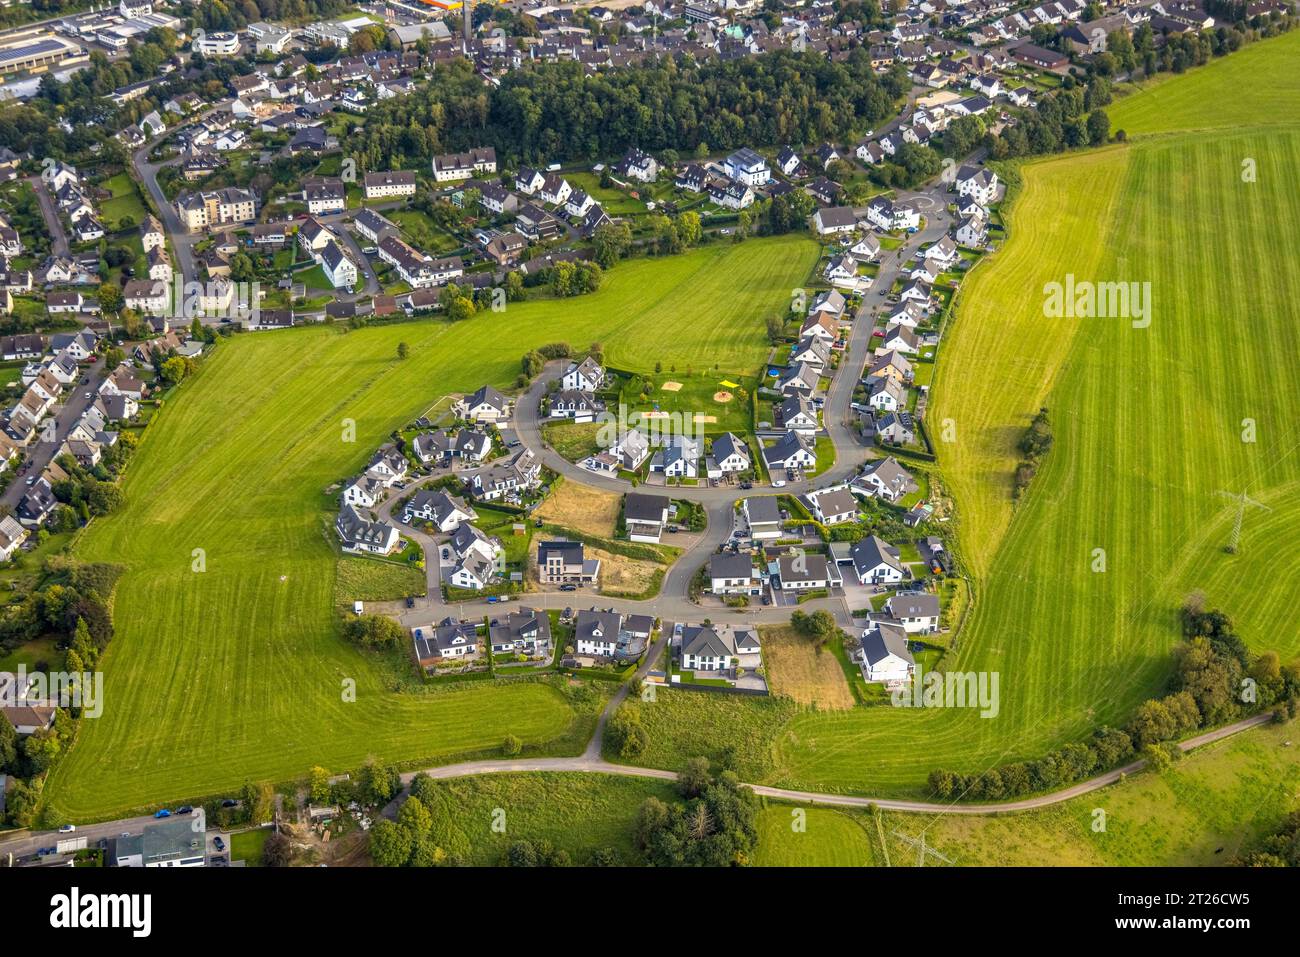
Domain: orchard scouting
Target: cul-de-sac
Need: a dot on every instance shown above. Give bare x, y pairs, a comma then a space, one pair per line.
720, 433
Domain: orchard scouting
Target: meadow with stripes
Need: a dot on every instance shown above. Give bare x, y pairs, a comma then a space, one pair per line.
1157, 429
237, 671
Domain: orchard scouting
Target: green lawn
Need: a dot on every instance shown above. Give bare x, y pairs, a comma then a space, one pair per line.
578, 813
693, 404
615, 201
1148, 429
247, 846
238, 672
374, 579
126, 202
813, 837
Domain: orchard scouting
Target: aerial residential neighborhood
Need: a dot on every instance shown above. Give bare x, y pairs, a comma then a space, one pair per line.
793, 434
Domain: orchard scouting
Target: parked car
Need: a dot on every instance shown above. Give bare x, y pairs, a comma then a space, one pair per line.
746, 485
67, 829
218, 843
410, 601
163, 813
185, 809
778, 483
230, 802
569, 587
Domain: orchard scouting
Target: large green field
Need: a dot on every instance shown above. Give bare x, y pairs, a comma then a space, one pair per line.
1214, 804
1149, 427
237, 671
1256, 86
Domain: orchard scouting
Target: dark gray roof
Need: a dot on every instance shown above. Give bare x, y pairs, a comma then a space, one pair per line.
730, 566
762, 509
871, 552
882, 640
645, 508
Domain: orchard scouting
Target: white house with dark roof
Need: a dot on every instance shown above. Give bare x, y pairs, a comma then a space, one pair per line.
876, 562
797, 414
719, 648
918, 612
445, 511
883, 654
804, 572
747, 167
585, 376
832, 506
885, 395
645, 516
728, 454
523, 631
565, 563
834, 220
979, 183
733, 574
340, 270
448, 641
678, 458
791, 451
359, 534
763, 516
485, 405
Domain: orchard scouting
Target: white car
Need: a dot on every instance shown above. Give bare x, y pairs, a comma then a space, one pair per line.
67, 829
778, 483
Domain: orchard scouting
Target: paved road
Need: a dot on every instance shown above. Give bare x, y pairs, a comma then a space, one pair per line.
50, 213
590, 761
39, 453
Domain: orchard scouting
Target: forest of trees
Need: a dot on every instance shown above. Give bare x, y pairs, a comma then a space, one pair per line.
554, 112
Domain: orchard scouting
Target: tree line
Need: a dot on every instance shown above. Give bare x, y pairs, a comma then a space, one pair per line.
1216, 680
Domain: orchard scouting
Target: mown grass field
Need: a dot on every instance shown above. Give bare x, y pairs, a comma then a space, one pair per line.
1256, 86
1149, 426
813, 837
238, 672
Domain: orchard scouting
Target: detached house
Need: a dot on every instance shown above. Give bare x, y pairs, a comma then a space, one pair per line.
645, 516
883, 654
485, 405
733, 575
564, 563
585, 376
834, 220
876, 562
979, 183
362, 535
449, 641
791, 451
445, 512
832, 506
719, 648
729, 454
917, 612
